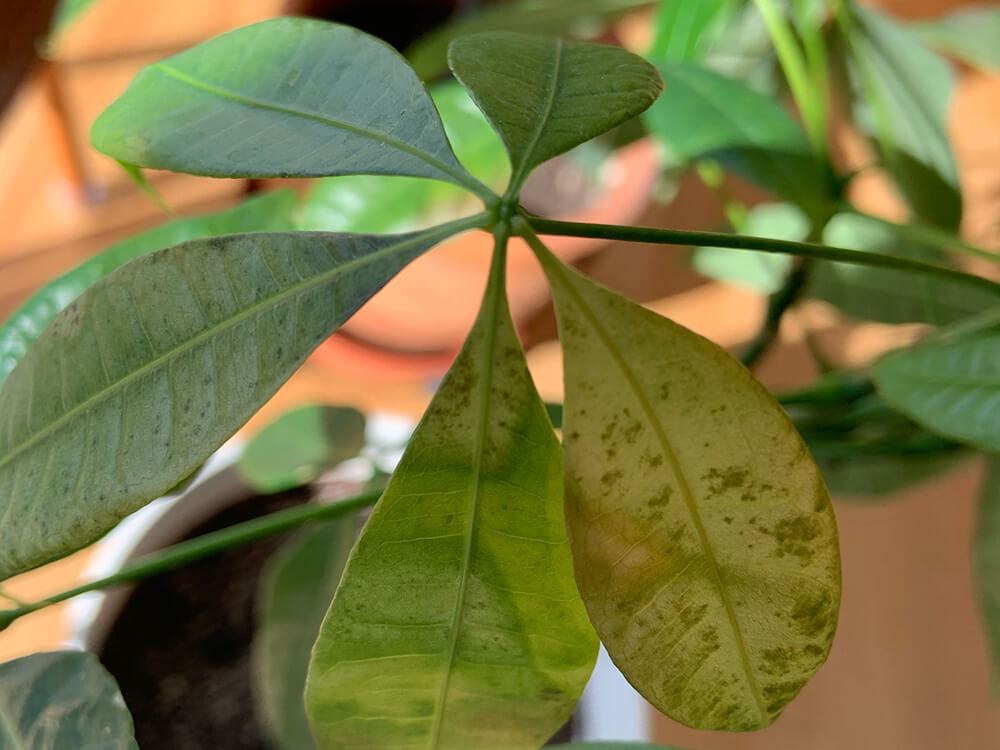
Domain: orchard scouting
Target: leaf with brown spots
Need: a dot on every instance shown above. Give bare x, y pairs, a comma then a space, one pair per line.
703, 538
458, 624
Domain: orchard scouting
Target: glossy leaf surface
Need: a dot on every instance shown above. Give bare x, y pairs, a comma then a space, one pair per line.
295, 591
545, 96
952, 389
288, 97
705, 115
986, 558
429, 55
703, 538
59, 700
375, 204
902, 90
268, 213
136, 383
299, 446
971, 34
762, 272
458, 623
884, 295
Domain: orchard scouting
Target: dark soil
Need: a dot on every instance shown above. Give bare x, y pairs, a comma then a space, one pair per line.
180, 649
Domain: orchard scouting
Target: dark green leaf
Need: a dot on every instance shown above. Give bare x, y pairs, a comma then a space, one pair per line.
295, 591
458, 624
762, 272
136, 383
545, 96
299, 446
429, 55
986, 556
972, 34
375, 204
705, 115
704, 541
951, 388
885, 295
268, 213
61, 700
684, 31
901, 94
288, 97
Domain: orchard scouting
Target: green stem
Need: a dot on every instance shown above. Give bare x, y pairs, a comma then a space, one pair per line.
199, 547
777, 305
927, 235
762, 244
794, 65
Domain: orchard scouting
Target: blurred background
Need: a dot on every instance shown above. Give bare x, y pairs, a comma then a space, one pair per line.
909, 667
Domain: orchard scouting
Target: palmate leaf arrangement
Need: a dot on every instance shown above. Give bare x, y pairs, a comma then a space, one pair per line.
681, 521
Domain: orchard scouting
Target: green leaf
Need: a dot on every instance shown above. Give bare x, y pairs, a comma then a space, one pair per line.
267, 213
705, 115
762, 272
458, 624
901, 94
429, 55
544, 96
67, 12
704, 541
684, 31
136, 383
59, 700
951, 388
299, 446
376, 204
885, 295
296, 587
969, 33
986, 557
288, 97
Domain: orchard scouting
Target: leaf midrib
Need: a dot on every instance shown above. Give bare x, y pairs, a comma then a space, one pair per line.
53, 427
686, 491
526, 163
461, 178
494, 301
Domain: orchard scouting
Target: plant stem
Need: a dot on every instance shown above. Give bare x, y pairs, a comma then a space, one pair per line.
928, 235
199, 547
777, 304
794, 65
762, 244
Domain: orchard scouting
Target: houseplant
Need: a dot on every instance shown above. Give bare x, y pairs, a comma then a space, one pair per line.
663, 484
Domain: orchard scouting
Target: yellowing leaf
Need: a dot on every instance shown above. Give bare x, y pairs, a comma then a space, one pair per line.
703, 538
457, 624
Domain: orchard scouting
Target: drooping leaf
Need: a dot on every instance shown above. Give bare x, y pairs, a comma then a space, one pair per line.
295, 591
704, 541
950, 387
986, 556
267, 213
762, 272
705, 115
59, 700
544, 96
288, 97
885, 295
901, 95
376, 204
299, 446
584, 18
969, 33
683, 32
134, 385
458, 624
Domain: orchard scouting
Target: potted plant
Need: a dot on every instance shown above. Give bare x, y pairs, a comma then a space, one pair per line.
682, 521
